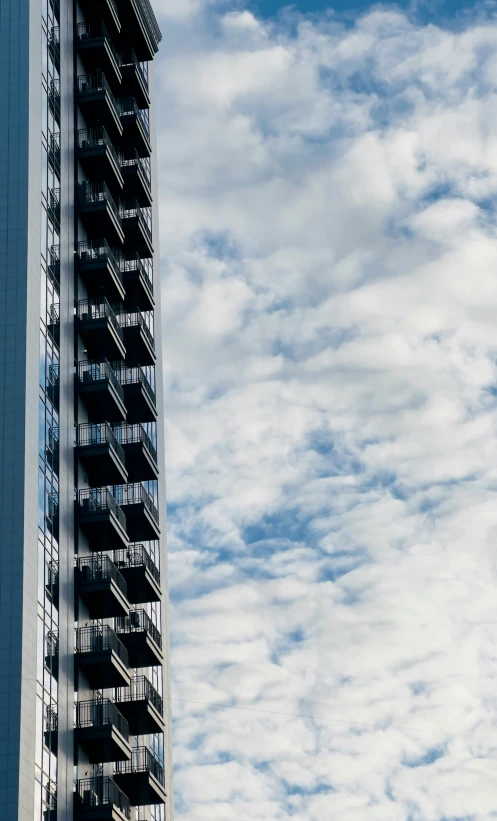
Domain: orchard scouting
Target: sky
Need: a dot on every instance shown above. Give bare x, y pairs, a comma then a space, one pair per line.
328, 179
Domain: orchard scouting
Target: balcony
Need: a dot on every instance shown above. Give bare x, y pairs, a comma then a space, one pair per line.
142, 705
137, 277
99, 213
102, 657
54, 46
142, 778
101, 519
102, 731
100, 330
53, 385
100, 270
105, 10
140, 454
101, 391
141, 638
53, 266
138, 339
52, 655
102, 587
141, 574
53, 206
142, 517
97, 51
135, 78
136, 223
100, 799
54, 99
54, 153
99, 158
100, 453
137, 178
136, 127
140, 27
139, 396
52, 583
52, 447
50, 733
96, 101
53, 322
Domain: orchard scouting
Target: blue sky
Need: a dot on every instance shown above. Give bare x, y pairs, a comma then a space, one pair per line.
329, 258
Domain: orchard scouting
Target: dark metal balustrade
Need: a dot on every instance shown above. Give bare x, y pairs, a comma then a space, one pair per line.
139, 395
141, 638
102, 731
52, 654
102, 657
137, 277
97, 51
54, 99
136, 173
100, 799
101, 391
100, 453
142, 516
98, 104
99, 158
136, 223
100, 270
141, 574
142, 705
142, 777
135, 78
99, 212
141, 455
101, 586
138, 339
101, 519
136, 127
100, 329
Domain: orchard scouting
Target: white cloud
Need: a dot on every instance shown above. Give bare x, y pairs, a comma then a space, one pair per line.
327, 229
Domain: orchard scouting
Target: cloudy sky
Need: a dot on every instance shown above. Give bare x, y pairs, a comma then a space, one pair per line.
328, 187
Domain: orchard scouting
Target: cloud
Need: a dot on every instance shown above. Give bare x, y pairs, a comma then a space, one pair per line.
329, 257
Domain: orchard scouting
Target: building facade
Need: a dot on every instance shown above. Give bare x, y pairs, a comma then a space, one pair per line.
84, 675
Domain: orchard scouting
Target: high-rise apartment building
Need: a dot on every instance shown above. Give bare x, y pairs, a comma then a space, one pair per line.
84, 682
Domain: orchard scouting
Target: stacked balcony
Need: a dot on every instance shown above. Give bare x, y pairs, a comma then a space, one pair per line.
142, 778
140, 453
137, 182
142, 516
139, 27
101, 586
100, 329
99, 158
100, 453
101, 519
137, 278
99, 212
105, 10
138, 339
95, 47
135, 127
102, 731
135, 78
100, 270
102, 657
141, 638
139, 395
97, 102
142, 706
140, 572
101, 391
136, 223
100, 799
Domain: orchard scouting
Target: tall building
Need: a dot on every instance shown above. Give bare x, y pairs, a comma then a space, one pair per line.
84, 699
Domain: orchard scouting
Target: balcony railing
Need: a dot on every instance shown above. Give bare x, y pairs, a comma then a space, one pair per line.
94, 31
98, 500
135, 494
142, 163
89, 372
91, 193
140, 689
100, 568
100, 639
136, 556
129, 58
54, 45
128, 105
143, 266
101, 791
54, 98
95, 309
139, 621
96, 137
99, 250
53, 205
133, 376
98, 433
128, 434
136, 319
101, 713
142, 760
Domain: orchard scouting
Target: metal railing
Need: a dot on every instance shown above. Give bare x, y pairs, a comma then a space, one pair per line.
90, 372
100, 639
141, 689
94, 83
129, 58
142, 163
91, 193
94, 31
51, 720
54, 151
136, 319
98, 433
54, 98
93, 500
134, 494
150, 22
94, 309
52, 575
133, 376
97, 250
136, 556
96, 137
130, 210
53, 205
128, 105
101, 713
142, 760
138, 621
98, 568
128, 434
144, 268
101, 791
54, 264
51, 645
